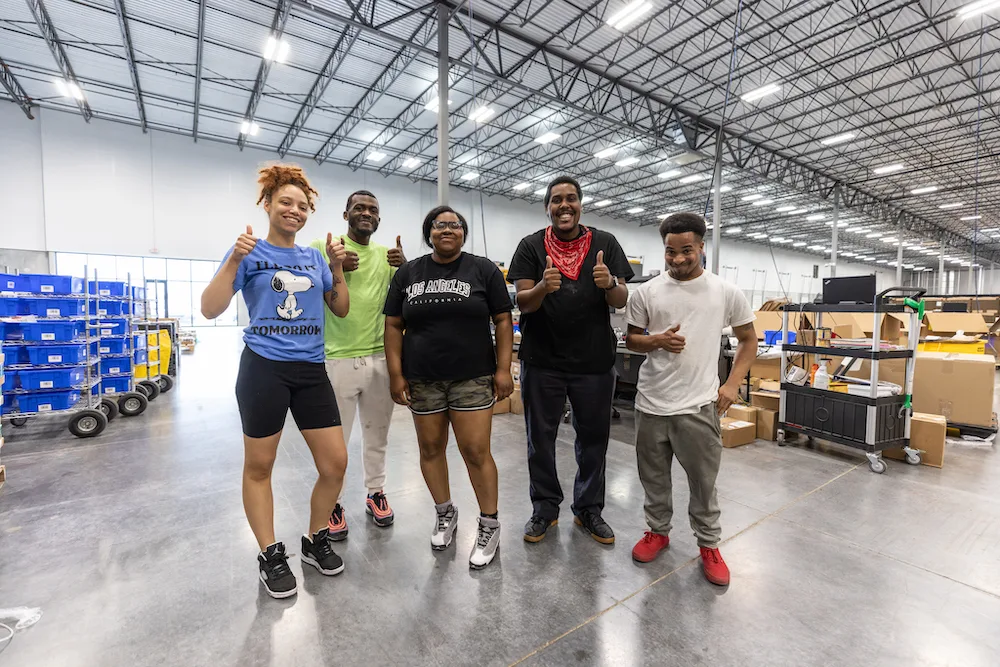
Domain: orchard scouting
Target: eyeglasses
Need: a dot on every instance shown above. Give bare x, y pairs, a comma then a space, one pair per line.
453, 225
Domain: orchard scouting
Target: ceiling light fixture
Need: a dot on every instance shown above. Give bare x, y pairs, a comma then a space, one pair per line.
888, 169
837, 139
541, 191
798, 211
763, 202
629, 14
952, 205
68, 89
627, 162
673, 173
732, 230
249, 128
693, 178
603, 203
815, 216
481, 115
637, 209
724, 188
434, 104
411, 162
763, 91
276, 50
799, 244
989, 230
606, 153
547, 138
522, 186
470, 176
873, 235
971, 217
977, 8
924, 190
376, 156
752, 197
784, 209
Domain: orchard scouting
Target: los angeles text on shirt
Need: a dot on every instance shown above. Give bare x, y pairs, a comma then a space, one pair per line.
438, 286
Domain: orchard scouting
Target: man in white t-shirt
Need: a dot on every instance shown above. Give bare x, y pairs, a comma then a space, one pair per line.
677, 319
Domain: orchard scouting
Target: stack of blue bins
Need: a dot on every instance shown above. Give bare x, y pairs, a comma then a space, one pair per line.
111, 309
43, 334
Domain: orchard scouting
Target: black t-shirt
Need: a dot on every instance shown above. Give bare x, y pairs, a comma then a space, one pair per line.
447, 309
571, 332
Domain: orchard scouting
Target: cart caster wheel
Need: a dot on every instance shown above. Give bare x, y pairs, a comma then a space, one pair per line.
109, 407
913, 459
148, 387
877, 466
166, 383
781, 438
87, 423
19, 421
132, 403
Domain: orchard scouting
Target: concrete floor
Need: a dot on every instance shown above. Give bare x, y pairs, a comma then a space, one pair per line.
135, 546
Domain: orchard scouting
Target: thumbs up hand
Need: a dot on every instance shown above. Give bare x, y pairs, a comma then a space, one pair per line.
395, 255
351, 258
244, 245
336, 251
602, 276
551, 278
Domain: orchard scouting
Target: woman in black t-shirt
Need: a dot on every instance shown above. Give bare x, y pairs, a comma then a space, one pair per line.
442, 364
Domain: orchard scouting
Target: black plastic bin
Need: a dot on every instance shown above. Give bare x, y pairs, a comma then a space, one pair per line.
842, 417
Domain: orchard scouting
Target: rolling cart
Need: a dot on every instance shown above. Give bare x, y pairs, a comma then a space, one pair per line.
116, 349
871, 423
51, 353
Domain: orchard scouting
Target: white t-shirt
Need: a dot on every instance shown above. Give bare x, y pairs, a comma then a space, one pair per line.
681, 384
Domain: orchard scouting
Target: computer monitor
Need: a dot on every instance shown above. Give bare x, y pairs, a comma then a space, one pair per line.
849, 289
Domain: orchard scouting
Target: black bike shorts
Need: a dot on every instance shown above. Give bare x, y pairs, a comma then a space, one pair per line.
266, 390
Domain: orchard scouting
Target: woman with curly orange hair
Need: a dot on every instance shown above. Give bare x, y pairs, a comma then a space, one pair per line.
285, 287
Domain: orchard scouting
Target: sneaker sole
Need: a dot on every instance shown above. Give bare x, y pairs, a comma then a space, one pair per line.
339, 536
381, 523
312, 561
538, 538
442, 547
647, 560
277, 595
602, 540
473, 566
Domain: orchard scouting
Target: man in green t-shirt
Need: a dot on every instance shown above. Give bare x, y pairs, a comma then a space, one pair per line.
355, 351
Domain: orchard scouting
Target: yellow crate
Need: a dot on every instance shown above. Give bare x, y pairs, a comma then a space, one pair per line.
139, 371
974, 347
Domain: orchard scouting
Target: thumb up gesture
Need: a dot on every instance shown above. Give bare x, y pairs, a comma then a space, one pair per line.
602, 277
336, 251
395, 255
244, 245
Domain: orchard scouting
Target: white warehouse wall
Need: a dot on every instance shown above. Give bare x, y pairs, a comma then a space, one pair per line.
108, 188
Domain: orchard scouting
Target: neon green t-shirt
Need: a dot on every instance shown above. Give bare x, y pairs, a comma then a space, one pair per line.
362, 332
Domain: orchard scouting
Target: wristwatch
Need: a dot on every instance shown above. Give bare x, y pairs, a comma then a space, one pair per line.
614, 283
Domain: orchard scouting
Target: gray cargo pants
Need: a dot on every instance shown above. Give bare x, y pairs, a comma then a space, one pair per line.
696, 441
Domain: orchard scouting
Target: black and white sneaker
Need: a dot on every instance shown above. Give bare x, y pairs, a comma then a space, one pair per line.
444, 528
487, 543
275, 574
318, 552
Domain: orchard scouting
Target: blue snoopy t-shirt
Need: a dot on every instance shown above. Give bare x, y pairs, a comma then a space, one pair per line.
283, 289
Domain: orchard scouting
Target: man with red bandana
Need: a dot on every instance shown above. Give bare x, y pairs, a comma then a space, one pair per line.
567, 277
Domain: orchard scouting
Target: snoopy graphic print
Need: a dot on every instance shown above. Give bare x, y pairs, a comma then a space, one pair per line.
283, 289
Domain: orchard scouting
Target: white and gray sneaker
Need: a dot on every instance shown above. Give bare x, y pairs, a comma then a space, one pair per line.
444, 528
487, 543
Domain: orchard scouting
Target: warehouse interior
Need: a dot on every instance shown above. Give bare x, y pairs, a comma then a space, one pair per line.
844, 155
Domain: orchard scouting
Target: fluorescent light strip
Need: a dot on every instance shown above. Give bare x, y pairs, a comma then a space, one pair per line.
752, 197
412, 162
977, 8
799, 244
434, 104
673, 173
952, 205
924, 190
522, 186
888, 169
815, 217
603, 203
376, 156
627, 162
481, 115
547, 138
470, 176
637, 209
541, 191
763, 91
971, 217
693, 178
629, 14
763, 202
732, 230
784, 209
249, 128
606, 153
837, 139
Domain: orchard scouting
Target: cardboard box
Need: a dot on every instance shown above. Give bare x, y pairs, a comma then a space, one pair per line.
746, 413
736, 432
770, 320
516, 404
766, 369
767, 400
502, 407
947, 325
770, 385
767, 424
928, 434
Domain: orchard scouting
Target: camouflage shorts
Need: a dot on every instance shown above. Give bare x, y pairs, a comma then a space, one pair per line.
427, 398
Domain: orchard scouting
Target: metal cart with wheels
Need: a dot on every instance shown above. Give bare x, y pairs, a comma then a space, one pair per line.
871, 423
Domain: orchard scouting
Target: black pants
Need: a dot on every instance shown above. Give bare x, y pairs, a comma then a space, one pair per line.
544, 393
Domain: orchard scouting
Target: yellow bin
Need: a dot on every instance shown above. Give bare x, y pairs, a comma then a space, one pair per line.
972, 347
165, 345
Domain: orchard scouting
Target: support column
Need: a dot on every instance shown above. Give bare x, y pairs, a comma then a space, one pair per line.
972, 277
442, 105
942, 278
836, 230
899, 250
717, 204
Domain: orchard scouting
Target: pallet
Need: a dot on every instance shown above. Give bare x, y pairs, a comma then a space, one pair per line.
976, 431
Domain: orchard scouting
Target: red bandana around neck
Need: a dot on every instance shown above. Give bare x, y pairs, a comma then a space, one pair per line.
568, 256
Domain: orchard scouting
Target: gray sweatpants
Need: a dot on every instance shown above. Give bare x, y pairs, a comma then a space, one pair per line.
696, 441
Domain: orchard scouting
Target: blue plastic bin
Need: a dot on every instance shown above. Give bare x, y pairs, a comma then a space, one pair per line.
116, 328
112, 346
48, 284
57, 354
44, 331
140, 356
117, 366
9, 307
54, 378
103, 308
49, 401
10, 381
774, 337
139, 341
107, 288
15, 355
54, 307
115, 385
12, 283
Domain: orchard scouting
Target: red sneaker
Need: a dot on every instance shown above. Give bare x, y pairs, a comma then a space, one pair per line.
337, 524
715, 568
649, 547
